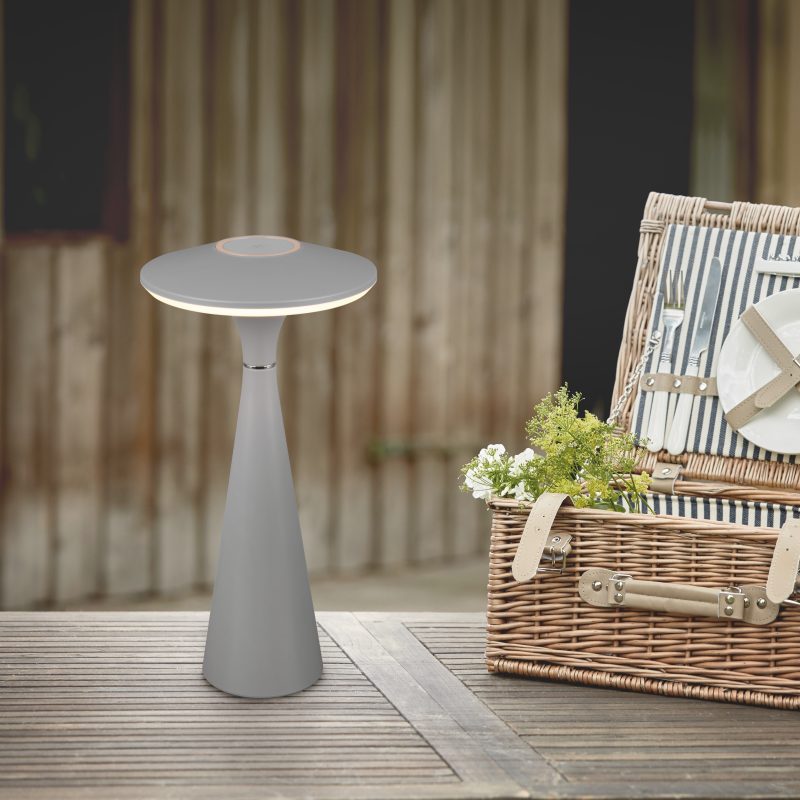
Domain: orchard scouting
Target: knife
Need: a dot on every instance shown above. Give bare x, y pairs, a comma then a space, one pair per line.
676, 440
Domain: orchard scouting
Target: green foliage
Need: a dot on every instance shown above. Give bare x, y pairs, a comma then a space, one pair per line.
582, 456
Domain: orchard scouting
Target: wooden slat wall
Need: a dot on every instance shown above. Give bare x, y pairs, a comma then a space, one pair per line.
428, 135
179, 361
747, 101
308, 361
28, 411
129, 459
479, 287
76, 448
435, 279
723, 130
778, 111
396, 323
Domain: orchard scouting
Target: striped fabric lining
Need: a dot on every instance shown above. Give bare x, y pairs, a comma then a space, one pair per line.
752, 514
691, 249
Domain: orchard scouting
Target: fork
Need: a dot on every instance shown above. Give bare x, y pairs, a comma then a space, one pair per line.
671, 319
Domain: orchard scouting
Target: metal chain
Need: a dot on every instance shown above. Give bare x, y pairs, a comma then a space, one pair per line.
633, 378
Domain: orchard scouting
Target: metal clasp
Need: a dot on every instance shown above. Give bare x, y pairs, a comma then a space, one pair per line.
616, 587
732, 602
788, 601
556, 549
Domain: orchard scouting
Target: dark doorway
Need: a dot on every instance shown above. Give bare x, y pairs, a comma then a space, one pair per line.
630, 116
66, 115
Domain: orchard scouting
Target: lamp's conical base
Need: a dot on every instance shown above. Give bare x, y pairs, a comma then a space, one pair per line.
262, 634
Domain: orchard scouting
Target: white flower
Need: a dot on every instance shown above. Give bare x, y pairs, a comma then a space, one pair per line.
481, 488
521, 494
521, 459
491, 454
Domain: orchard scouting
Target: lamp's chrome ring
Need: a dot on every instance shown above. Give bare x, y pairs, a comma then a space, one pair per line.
259, 366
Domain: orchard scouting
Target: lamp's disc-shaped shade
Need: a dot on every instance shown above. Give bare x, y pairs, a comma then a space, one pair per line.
258, 276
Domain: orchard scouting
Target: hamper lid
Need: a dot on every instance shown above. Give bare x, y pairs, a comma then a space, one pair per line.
680, 236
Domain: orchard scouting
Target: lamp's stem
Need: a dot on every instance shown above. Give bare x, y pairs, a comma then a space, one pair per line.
259, 337
262, 635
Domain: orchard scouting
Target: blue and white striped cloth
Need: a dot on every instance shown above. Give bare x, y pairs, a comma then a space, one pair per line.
691, 249
753, 514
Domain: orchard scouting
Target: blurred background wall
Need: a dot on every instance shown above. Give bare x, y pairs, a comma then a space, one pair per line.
427, 136
486, 154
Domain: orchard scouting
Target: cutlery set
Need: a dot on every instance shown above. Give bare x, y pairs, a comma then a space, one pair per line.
672, 432
728, 337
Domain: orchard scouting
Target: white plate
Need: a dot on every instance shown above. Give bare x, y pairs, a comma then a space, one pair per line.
744, 367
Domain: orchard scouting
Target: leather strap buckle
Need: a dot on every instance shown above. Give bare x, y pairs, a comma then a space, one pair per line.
536, 537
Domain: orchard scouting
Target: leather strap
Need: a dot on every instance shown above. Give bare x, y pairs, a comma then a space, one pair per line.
785, 563
536, 533
686, 384
664, 476
774, 390
604, 588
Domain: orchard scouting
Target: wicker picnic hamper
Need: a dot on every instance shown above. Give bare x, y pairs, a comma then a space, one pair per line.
696, 600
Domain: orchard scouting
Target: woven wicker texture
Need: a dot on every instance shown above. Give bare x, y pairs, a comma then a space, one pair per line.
662, 210
543, 628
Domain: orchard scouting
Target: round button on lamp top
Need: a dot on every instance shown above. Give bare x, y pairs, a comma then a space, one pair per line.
258, 276
258, 246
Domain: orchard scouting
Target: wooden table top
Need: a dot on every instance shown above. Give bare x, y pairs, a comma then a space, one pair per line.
113, 705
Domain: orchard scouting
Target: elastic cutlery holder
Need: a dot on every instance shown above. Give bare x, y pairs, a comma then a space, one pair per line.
678, 384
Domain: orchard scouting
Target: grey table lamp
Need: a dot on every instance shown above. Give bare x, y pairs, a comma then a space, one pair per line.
262, 635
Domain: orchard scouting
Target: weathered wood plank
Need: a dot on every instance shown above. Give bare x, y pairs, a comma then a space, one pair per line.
311, 364
434, 265
499, 742
396, 287
466, 755
341, 732
237, 791
545, 201
131, 726
129, 464
269, 98
778, 105
130, 431
723, 101
178, 349
80, 346
356, 194
510, 223
789, 162
3, 332
274, 179
27, 469
472, 287
770, 85
231, 213
409, 792
569, 726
